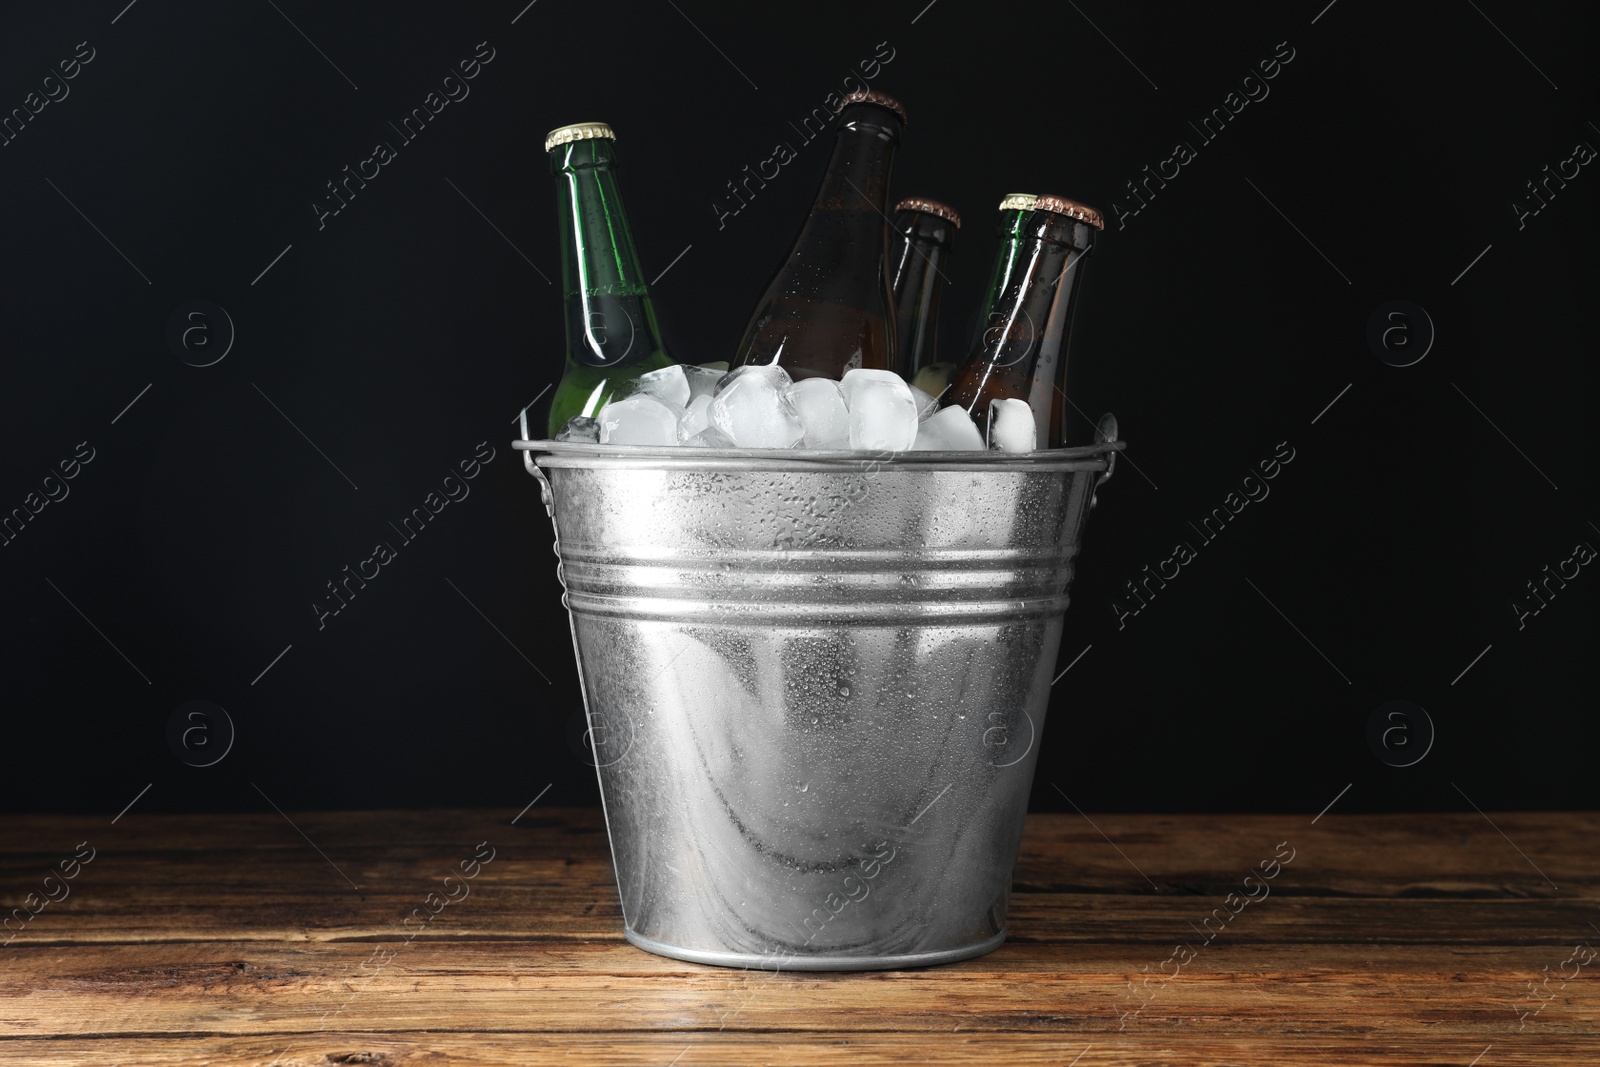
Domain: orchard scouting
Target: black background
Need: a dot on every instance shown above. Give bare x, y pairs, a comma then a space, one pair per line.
407, 330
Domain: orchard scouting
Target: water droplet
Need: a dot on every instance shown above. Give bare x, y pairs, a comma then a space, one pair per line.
805, 786
844, 690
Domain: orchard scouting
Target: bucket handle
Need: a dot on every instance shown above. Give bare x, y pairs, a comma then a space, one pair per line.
533, 468
1105, 434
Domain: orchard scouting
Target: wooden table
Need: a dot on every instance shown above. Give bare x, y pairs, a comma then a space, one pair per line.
232, 939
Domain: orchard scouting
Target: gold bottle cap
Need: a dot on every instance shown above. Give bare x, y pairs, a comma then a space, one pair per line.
930, 207
1062, 206
872, 96
579, 131
1018, 202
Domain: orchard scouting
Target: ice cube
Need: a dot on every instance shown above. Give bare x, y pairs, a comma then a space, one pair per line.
949, 429
710, 437
703, 379
750, 407
640, 419
854, 379
927, 403
669, 384
883, 413
1011, 426
696, 418
580, 428
777, 375
820, 405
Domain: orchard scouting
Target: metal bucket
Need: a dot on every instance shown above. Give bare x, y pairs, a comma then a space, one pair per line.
815, 683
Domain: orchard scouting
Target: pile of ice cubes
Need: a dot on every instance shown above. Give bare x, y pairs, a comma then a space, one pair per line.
761, 407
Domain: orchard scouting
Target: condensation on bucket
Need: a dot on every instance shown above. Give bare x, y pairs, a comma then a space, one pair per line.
815, 688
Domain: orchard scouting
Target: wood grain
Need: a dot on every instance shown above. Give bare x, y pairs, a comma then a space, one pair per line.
228, 940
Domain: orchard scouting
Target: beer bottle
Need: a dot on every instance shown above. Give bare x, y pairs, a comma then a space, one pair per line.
1022, 354
612, 335
924, 232
829, 308
1014, 208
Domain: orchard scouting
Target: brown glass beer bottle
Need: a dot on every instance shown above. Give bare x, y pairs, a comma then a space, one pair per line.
829, 309
920, 244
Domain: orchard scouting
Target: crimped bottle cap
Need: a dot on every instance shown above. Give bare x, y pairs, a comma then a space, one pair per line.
1062, 206
930, 207
1018, 202
579, 131
872, 96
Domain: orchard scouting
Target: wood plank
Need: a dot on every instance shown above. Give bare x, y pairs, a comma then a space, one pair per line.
1380, 855
553, 830
244, 988
534, 910
258, 879
816, 1049
295, 895
1374, 855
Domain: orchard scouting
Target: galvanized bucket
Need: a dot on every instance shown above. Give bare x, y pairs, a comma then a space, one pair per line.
815, 683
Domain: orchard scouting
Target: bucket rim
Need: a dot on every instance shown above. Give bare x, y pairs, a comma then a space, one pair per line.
1095, 457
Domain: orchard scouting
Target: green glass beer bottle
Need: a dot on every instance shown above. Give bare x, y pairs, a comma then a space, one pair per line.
923, 235
1022, 354
1014, 207
830, 309
612, 334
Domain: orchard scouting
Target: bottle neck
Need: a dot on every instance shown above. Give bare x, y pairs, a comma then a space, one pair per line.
610, 319
1009, 230
857, 181
922, 253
